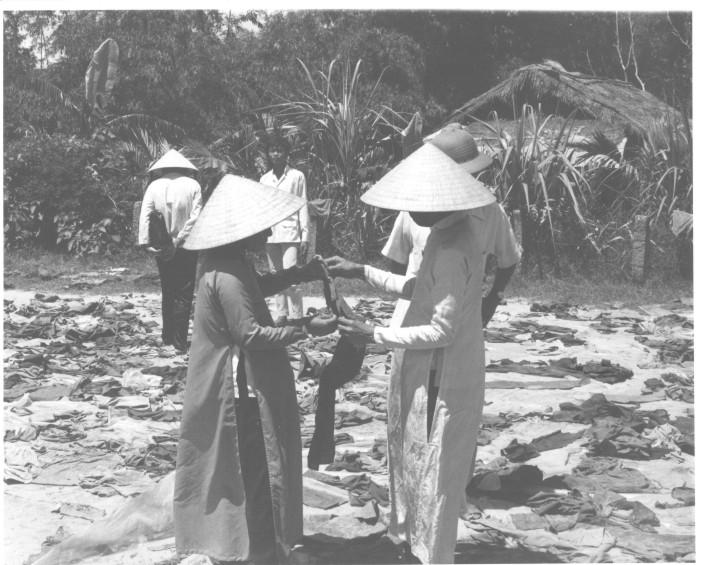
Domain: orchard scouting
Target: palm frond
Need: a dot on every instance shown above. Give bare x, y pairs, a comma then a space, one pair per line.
47, 90
125, 127
598, 145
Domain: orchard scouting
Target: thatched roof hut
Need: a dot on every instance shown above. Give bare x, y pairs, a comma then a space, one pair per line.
612, 103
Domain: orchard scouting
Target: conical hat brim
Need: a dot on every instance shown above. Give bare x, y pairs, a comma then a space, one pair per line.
237, 209
428, 181
172, 159
477, 164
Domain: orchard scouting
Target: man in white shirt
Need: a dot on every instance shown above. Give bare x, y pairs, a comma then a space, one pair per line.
177, 196
289, 239
406, 242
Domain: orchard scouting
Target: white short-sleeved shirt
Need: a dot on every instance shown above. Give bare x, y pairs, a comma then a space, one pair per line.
295, 227
178, 198
406, 243
407, 240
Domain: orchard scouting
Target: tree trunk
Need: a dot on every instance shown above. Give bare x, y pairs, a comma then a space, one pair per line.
640, 248
136, 212
47, 227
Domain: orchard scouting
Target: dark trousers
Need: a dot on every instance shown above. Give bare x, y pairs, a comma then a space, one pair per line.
177, 286
252, 461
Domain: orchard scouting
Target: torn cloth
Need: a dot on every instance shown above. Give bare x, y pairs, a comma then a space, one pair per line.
345, 365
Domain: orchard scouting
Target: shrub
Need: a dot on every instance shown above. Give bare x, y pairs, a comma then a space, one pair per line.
80, 181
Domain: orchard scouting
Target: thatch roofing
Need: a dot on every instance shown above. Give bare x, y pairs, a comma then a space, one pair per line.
561, 92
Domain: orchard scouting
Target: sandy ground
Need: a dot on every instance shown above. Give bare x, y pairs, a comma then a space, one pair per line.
33, 511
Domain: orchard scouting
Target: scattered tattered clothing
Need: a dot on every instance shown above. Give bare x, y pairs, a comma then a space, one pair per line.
517, 452
555, 440
605, 371
545, 332
562, 310
608, 473
514, 482
210, 505
685, 425
674, 349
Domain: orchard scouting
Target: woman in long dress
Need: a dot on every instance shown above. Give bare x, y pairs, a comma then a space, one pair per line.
238, 492
435, 396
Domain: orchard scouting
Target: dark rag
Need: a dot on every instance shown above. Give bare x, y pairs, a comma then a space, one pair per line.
344, 366
159, 238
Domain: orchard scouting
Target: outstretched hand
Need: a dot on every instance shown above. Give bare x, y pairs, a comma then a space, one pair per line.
341, 267
358, 331
321, 325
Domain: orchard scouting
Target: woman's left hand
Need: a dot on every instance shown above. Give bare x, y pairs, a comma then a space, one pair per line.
358, 331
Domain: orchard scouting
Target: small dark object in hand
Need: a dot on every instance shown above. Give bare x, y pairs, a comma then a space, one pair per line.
159, 238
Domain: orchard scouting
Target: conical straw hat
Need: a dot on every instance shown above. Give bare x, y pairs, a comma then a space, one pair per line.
172, 159
238, 208
428, 181
456, 142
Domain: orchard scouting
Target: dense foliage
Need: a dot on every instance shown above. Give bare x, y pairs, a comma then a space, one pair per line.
341, 85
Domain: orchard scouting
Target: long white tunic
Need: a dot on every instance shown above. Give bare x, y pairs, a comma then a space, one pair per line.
428, 475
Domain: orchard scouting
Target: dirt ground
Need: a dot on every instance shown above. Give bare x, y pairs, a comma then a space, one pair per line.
92, 402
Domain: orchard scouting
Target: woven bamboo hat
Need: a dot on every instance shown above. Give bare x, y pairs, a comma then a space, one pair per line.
460, 145
238, 208
428, 181
172, 159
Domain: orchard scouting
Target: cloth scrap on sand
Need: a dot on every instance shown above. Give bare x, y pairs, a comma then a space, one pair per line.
605, 371
149, 516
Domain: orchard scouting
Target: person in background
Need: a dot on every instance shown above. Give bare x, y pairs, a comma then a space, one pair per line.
288, 242
406, 242
435, 397
177, 196
238, 488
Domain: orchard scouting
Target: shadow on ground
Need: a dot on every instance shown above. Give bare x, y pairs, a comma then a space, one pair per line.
383, 550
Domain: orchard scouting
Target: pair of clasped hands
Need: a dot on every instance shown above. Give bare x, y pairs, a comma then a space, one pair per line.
357, 331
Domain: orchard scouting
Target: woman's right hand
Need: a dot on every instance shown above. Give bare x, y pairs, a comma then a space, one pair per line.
341, 267
321, 325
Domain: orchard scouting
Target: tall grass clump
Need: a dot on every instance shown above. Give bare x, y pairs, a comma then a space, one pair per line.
347, 140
